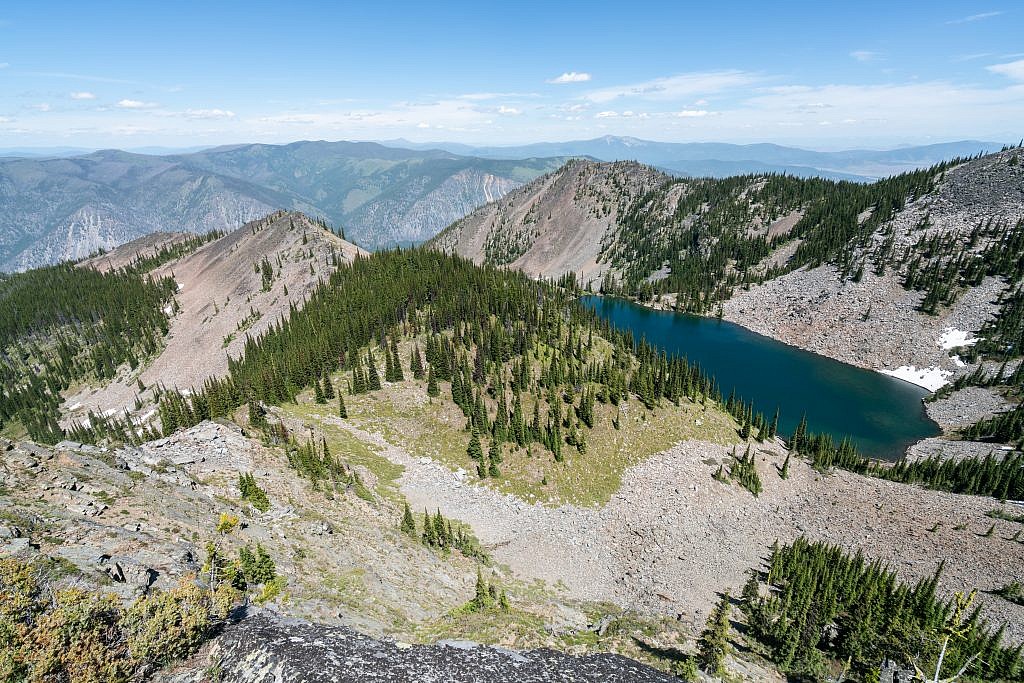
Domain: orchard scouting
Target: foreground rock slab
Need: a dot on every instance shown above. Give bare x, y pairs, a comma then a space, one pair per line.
265, 648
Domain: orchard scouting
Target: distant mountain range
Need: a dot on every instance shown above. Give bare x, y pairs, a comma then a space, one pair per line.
720, 159
58, 203
54, 208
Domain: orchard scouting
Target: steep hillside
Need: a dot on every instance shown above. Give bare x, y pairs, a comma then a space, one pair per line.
60, 209
227, 290
557, 224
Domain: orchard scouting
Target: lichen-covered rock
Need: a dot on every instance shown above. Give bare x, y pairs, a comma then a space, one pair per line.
267, 649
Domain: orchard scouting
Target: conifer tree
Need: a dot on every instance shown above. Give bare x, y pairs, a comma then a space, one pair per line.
773, 429
482, 594
474, 450
432, 388
396, 363
342, 411
416, 362
408, 525
713, 645
374, 378
797, 442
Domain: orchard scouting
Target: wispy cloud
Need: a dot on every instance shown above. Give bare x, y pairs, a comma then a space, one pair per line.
974, 17
82, 95
509, 111
1014, 70
682, 86
866, 55
970, 57
571, 77
691, 113
209, 114
136, 104
43, 106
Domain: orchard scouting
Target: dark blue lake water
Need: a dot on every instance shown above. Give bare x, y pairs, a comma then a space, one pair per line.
883, 415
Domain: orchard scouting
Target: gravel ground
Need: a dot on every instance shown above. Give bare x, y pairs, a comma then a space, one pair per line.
965, 407
672, 538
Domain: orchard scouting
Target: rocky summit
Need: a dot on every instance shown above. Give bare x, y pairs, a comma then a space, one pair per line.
266, 649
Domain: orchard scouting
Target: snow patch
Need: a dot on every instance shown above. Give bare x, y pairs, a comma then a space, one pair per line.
932, 378
952, 338
958, 362
74, 406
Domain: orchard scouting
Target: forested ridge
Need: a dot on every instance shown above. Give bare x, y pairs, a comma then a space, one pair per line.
709, 236
61, 325
522, 359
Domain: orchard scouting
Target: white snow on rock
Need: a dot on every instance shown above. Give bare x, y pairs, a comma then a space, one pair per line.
932, 378
952, 338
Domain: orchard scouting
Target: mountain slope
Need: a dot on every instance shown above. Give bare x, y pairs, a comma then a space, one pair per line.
382, 196
869, 274
59, 209
555, 225
65, 209
223, 298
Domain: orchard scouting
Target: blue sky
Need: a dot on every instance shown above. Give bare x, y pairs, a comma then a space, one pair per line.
822, 74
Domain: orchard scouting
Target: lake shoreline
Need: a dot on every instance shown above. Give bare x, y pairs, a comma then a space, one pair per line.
931, 378
884, 415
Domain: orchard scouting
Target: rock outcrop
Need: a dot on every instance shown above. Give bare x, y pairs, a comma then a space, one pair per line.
267, 649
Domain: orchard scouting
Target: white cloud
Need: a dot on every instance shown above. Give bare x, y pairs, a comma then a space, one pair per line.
510, 111
1014, 70
495, 95
865, 55
676, 87
691, 113
606, 114
974, 17
136, 104
82, 96
571, 77
209, 114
